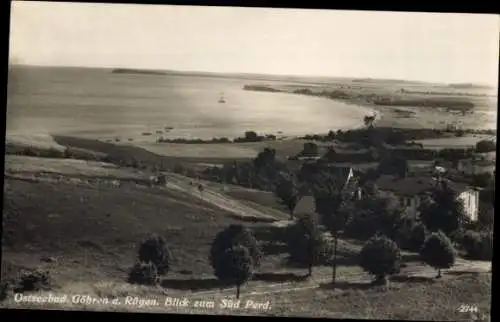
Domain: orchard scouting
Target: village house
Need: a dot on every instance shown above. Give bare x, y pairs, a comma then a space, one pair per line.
410, 191
474, 167
348, 179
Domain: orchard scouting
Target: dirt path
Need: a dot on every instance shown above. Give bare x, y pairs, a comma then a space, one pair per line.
322, 275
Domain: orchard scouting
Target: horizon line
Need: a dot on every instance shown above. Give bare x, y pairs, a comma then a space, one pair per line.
477, 84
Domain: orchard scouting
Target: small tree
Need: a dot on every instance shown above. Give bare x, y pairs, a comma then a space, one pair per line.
288, 193
306, 244
380, 257
251, 136
438, 252
232, 236
368, 120
237, 267
155, 250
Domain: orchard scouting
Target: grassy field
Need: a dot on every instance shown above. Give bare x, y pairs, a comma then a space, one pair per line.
73, 167
39, 140
225, 151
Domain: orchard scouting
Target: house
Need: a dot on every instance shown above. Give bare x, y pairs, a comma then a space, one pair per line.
348, 179
410, 191
472, 167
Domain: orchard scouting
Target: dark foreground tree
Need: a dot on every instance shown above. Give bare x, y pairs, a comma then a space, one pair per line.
155, 250
380, 257
306, 244
288, 192
237, 267
438, 252
228, 238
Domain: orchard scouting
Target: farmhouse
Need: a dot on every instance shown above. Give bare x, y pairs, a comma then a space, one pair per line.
411, 190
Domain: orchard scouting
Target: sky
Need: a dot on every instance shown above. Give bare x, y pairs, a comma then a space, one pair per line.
435, 47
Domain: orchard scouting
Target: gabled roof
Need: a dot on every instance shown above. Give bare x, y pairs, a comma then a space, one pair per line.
414, 185
329, 155
305, 206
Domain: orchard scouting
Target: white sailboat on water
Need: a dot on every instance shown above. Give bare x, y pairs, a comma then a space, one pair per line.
221, 99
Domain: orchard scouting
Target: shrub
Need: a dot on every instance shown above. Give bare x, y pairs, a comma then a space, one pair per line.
380, 257
484, 146
33, 281
438, 252
236, 266
232, 236
306, 244
415, 237
144, 273
477, 246
155, 250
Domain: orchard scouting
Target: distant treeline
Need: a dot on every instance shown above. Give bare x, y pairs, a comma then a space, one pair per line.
136, 71
261, 88
250, 136
374, 99
394, 136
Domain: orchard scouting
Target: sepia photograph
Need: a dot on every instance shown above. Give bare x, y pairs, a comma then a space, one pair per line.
250, 161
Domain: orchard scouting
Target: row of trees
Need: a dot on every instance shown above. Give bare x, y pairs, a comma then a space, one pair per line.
380, 257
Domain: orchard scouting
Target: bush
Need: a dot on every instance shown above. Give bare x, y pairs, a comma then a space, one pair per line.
477, 246
438, 252
144, 273
232, 236
155, 250
33, 281
484, 146
236, 267
380, 257
413, 238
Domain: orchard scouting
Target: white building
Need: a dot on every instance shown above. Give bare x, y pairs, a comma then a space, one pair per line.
411, 190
